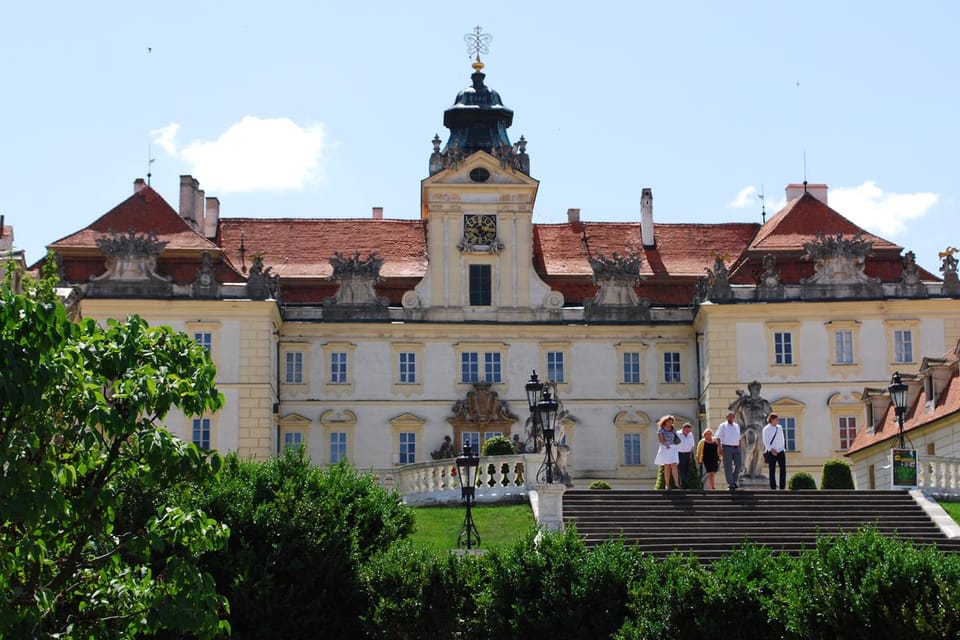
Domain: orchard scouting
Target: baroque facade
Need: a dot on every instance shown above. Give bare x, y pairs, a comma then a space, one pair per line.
371, 339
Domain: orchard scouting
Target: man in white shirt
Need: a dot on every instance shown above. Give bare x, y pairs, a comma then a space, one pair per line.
728, 433
774, 445
685, 449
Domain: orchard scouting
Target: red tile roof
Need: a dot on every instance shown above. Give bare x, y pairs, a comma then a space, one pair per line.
917, 416
145, 211
302, 247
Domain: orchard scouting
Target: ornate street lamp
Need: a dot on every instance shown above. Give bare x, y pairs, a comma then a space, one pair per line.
467, 464
547, 408
898, 394
534, 388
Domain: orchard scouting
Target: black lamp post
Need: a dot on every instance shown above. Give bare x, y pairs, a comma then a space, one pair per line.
543, 408
898, 394
467, 464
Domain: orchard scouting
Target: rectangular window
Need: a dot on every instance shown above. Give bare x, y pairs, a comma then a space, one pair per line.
292, 440
338, 367
843, 347
480, 287
294, 369
408, 367
848, 431
408, 447
783, 347
338, 446
469, 366
903, 345
555, 366
789, 425
491, 434
491, 367
671, 366
472, 437
631, 448
204, 339
631, 367
201, 432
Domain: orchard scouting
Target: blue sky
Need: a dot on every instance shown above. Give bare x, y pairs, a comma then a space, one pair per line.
326, 110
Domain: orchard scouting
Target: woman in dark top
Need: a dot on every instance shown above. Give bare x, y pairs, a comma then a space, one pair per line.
709, 454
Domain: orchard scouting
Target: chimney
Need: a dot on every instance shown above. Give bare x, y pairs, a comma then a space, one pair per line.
212, 217
6, 241
818, 191
573, 215
139, 184
198, 210
188, 199
646, 218
378, 213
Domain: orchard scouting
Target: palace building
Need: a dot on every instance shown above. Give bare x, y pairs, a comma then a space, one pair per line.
371, 339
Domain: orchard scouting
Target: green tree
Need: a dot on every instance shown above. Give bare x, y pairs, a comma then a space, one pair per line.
79, 411
299, 536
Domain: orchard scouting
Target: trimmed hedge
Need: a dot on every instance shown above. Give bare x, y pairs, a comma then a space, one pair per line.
836, 475
498, 446
859, 585
801, 481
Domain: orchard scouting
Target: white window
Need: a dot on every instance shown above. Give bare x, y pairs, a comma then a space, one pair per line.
204, 339
671, 366
902, 345
491, 367
843, 347
783, 347
408, 447
470, 366
848, 430
473, 438
555, 366
407, 367
201, 432
292, 439
631, 367
294, 367
338, 446
631, 449
338, 367
789, 426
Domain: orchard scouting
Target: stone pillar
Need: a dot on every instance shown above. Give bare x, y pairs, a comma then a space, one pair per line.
547, 503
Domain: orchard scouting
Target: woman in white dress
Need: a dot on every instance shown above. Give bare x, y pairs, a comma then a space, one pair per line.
667, 454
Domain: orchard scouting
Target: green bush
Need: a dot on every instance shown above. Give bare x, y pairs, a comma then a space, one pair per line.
498, 446
665, 599
836, 475
298, 536
600, 485
801, 481
865, 585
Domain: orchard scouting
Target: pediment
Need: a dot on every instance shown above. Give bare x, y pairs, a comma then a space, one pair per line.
295, 419
498, 174
408, 418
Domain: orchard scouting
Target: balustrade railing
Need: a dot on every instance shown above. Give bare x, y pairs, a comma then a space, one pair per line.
436, 480
939, 476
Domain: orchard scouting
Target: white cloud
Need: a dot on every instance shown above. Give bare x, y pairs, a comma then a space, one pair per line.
258, 154
255, 154
745, 198
166, 137
887, 214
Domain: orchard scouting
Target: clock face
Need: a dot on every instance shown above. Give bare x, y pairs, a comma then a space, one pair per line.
480, 229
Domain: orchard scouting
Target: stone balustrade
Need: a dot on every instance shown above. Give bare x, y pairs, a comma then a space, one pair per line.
939, 476
499, 479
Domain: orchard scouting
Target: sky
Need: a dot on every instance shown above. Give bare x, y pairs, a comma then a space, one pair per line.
317, 109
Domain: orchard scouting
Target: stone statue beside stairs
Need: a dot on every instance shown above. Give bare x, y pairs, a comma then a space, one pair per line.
751, 411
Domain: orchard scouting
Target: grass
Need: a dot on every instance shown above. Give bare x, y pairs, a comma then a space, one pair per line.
499, 526
952, 508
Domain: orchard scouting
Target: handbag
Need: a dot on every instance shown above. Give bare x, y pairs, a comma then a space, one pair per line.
676, 438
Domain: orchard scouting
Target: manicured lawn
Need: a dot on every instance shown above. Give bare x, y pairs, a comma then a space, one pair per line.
498, 525
953, 508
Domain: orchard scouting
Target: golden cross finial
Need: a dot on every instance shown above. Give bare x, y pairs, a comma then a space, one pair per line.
477, 42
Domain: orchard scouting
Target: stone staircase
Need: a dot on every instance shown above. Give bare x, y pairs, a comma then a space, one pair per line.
712, 524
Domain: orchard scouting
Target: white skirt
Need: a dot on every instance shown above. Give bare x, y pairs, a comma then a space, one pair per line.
667, 456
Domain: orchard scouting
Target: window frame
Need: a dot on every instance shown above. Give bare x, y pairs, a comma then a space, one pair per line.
334, 385
480, 285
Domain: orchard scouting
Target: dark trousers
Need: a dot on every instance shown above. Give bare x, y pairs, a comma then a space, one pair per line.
683, 468
780, 459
